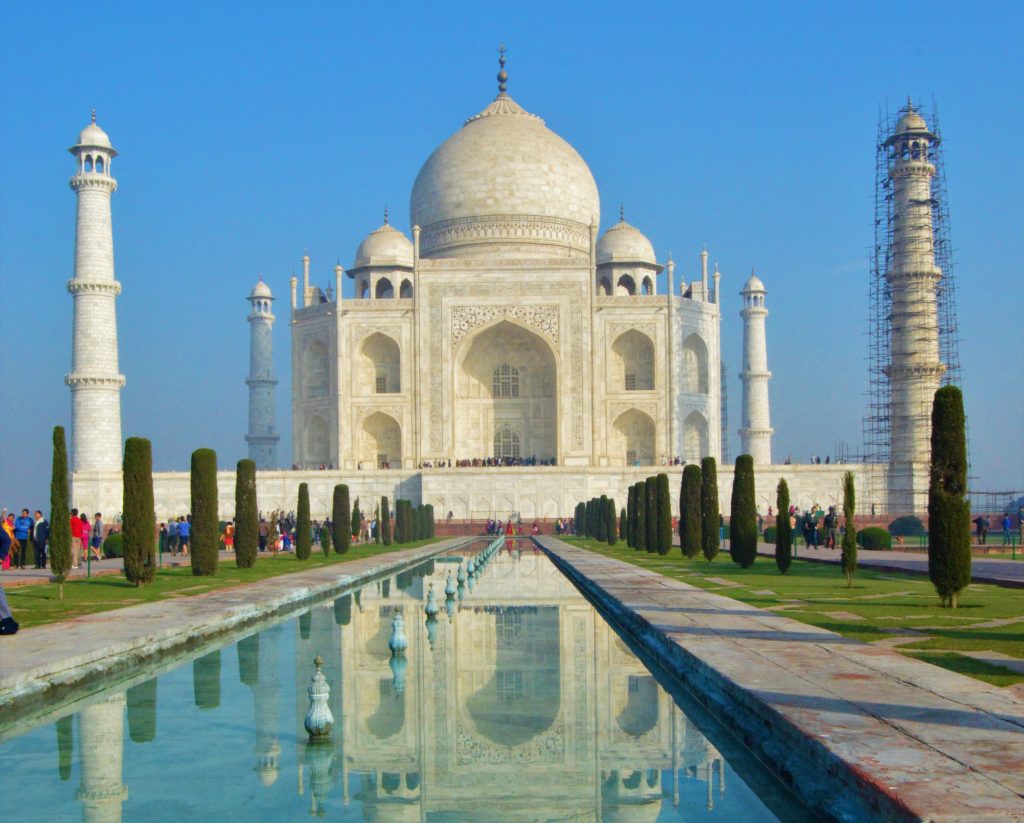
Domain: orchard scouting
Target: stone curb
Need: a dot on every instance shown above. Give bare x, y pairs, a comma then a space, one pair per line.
836, 720
47, 662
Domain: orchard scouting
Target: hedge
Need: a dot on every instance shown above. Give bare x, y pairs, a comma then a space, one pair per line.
874, 537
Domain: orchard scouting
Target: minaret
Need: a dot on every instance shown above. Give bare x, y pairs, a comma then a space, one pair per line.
756, 432
94, 379
915, 369
262, 437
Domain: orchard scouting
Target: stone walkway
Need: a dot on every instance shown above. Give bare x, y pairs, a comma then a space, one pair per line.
983, 570
41, 662
861, 732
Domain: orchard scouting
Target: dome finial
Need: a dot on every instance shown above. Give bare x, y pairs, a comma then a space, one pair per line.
502, 74
94, 115
385, 215
622, 212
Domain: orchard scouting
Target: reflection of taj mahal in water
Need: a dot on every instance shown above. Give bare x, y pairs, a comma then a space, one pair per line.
521, 704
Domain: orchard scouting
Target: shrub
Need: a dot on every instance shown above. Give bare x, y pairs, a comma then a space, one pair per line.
60, 517
907, 526
355, 519
601, 520
627, 531
783, 536
768, 535
113, 545
247, 524
385, 522
205, 525
341, 519
849, 560
139, 529
431, 523
651, 513
743, 514
874, 537
949, 511
623, 524
664, 492
303, 528
579, 519
325, 541
690, 519
709, 511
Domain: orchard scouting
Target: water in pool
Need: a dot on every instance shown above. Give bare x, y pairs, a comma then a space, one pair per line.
517, 703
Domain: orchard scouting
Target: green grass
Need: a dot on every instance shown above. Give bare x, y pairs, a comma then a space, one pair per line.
36, 605
879, 601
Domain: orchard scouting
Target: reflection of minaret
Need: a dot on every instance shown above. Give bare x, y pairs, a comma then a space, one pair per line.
101, 733
267, 708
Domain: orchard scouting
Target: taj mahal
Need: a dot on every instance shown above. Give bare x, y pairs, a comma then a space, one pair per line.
509, 357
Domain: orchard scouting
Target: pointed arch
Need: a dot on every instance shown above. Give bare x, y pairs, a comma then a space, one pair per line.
695, 364
634, 438
695, 437
378, 366
384, 289
405, 291
315, 370
626, 285
381, 441
632, 362
317, 441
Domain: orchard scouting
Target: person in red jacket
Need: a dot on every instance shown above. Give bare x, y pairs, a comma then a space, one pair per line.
77, 533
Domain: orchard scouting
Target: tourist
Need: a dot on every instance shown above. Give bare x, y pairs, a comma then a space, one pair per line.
76, 540
86, 530
40, 534
1007, 525
535, 529
22, 533
173, 540
263, 534
229, 536
184, 534
832, 528
96, 537
7, 622
981, 528
6, 544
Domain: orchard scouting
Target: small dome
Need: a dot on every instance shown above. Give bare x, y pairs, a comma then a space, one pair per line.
911, 121
623, 243
93, 137
261, 289
387, 246
754, 284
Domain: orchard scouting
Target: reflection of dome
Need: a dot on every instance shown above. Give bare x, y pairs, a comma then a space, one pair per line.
504, 179
623, 243
387, 246
643, 812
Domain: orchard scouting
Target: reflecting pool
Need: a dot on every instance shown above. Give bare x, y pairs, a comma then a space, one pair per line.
517, 702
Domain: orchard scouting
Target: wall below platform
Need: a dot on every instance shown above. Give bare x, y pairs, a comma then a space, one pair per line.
480, 493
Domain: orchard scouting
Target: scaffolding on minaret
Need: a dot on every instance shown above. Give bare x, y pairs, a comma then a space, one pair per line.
878, 422
724, 381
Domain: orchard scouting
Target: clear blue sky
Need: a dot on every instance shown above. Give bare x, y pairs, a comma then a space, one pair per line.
249, 132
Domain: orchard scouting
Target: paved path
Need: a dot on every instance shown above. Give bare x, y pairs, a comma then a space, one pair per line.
861, 732
983, 570
45, 663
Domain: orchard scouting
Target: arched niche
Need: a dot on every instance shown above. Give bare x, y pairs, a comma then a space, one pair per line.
317, 445
632, 362
647, 286
604, 287
695, 437
625, 286
505, 376
634, 438
381, 441
695, 364
405, 291
640, 714
384, 289
378, 366
315, 370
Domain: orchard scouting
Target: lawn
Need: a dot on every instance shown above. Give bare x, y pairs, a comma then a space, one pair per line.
37, 605
880, 605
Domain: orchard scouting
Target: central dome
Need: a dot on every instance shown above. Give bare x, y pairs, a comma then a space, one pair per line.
505, 185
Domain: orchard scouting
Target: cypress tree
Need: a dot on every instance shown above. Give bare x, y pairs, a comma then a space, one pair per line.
60, 517
355, 519
690, 515
664, 545
325, 540
249, 660
341, 519
601, 524
206, 678
783, 533
630, 517
417, 523
402, 520
205, 522
385, 522
65, 731
139, 527
743, 514
709, 512
303, 542
651, 513
376, 531
431, 523
579, 519
849, 560
611, 534
247, 523
587, 517
949, 512
141, 705
640, 516
623, 524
